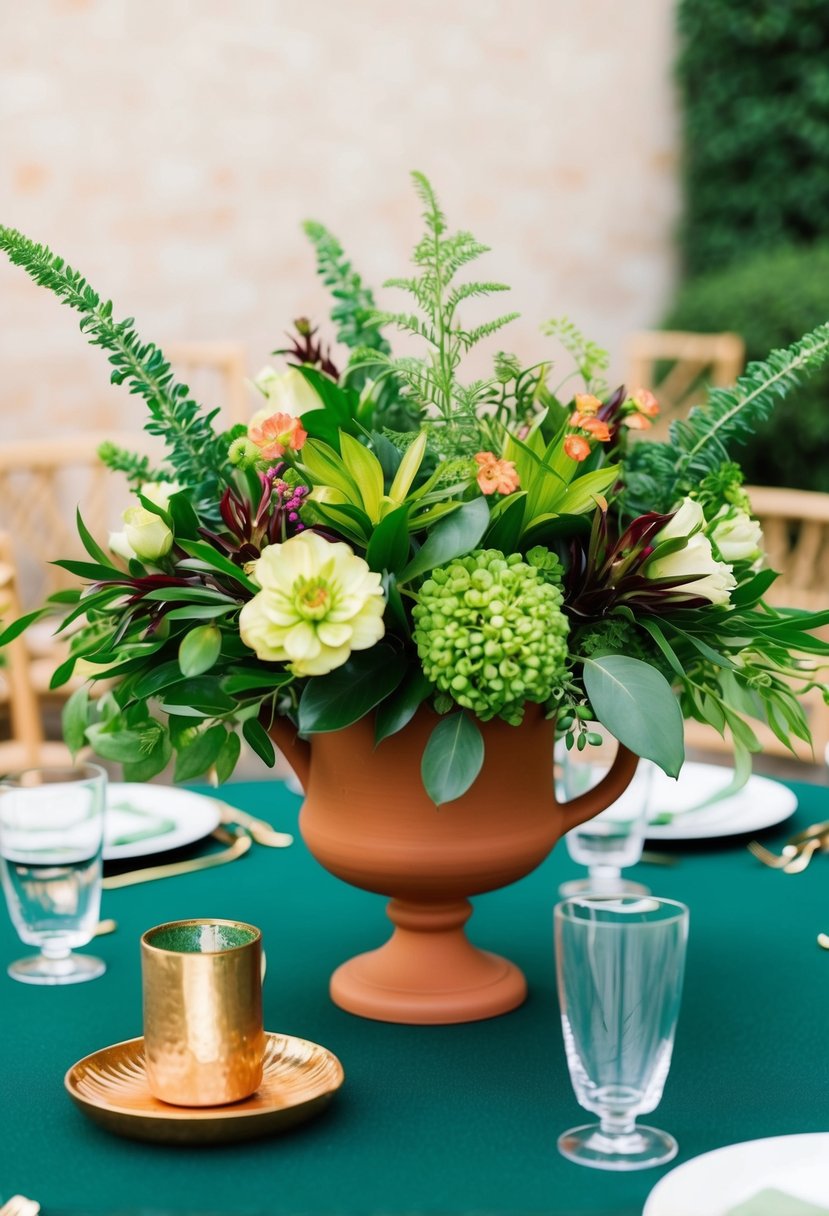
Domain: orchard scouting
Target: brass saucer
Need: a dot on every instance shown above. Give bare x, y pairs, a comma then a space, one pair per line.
110, 1086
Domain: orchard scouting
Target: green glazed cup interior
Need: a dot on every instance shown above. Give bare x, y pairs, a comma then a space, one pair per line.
201, 937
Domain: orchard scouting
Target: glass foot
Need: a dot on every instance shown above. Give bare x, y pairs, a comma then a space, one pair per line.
640, 1149
601, 886
74, 969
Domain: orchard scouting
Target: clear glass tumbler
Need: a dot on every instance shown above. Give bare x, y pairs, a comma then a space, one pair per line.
51, 842
620, 963
613, 839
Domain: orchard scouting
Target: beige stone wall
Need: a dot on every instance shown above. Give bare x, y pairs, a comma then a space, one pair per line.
170, 149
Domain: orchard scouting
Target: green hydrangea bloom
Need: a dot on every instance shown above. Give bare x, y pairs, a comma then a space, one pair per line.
490, 632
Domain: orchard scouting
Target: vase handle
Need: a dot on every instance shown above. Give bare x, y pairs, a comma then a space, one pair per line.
295, 750
603, 795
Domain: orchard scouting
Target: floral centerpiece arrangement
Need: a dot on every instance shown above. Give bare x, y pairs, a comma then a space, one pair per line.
385, 534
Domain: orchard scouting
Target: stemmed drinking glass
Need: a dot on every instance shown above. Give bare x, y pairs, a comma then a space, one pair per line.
613, 839
51, 843
620, 962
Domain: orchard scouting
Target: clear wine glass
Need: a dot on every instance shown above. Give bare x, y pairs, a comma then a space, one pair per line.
613, 839
51, 843
620, 962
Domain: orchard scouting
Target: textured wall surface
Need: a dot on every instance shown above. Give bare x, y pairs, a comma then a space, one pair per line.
170, 149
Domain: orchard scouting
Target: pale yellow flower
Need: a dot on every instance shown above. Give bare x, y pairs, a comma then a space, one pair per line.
711, 579
318, 602
146, 534
287, 392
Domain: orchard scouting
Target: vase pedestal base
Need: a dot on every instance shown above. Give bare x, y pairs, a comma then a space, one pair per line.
428, 973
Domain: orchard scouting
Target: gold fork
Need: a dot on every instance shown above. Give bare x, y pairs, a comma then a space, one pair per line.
794, 859
774, 860
240, 846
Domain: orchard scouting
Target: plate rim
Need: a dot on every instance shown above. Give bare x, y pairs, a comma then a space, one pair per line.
717, 831
650, 1210
137, 849
197, 1114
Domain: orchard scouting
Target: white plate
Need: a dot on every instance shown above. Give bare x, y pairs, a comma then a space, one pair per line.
713, 1184
760, 803
143, 819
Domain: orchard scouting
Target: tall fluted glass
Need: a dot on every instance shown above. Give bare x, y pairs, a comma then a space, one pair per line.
620, 963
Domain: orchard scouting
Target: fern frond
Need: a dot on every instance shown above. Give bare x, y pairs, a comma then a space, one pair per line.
197, 454
467, 291
731, 414
137, 469
433, 217
353, 311
590, 358
470, 337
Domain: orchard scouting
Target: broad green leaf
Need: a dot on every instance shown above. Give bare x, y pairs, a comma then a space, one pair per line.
186, 523
153, 681
505, 530
74, 719
128, 745
325, 467
337, 401
346, 694
259, 740
236, 682
152, 763
418, 520
199, 612
452, 758
195, 595
454, 536
320, 424
199, 755
636, 704
96, 573
398, 710
350, 521
367, 472
64, 671
199, 650
388, 548
199, 697
228, 757
581, 495
408, 469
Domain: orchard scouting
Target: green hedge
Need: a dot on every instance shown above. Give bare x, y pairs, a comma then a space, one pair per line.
772, 299
754, 83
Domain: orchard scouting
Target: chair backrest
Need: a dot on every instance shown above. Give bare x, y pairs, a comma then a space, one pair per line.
215, 373
26, 727
41, 484
796, 533
678, 367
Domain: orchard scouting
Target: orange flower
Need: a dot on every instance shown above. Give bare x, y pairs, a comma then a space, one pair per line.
496, 476
586, 422
576, 447
276, 434
645, 402
586, 403
638, 422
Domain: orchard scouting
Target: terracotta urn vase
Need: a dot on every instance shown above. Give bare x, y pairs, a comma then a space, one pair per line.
368, 819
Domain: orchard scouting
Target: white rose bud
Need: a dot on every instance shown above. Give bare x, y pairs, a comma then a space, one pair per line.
120, 546
712, 580
159, 492
287, 392
147, 533
738, 537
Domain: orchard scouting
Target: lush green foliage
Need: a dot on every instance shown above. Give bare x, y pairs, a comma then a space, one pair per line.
499, 546
754, 81
771, 298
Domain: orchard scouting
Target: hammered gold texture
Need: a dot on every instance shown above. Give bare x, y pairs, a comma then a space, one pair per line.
110, 1086
202, 1011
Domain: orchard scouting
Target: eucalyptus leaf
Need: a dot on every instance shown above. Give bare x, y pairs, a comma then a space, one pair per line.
636, 704
452, 758
200, 754
348, 693
455, 536
228, 756
74, 719
259, 739
199, 650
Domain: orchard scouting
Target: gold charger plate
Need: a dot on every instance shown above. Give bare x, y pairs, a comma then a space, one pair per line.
110, 1086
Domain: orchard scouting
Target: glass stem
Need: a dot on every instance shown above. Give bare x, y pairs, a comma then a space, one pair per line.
618, 1124
605, 878
55, 953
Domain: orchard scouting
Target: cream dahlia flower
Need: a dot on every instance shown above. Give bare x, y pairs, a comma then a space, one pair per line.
318, 602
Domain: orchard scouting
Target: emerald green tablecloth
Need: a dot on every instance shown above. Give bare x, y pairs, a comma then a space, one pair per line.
436, 1119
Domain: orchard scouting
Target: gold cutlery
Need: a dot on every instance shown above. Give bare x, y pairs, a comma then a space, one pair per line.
649, 858
794, 859
822, 941
19, 1205
237, 849
101, 929
775, 861
261, 831
804, 857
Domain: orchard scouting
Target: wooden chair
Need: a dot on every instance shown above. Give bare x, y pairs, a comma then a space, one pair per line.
26, 747
678, 367
796, 532
215, 373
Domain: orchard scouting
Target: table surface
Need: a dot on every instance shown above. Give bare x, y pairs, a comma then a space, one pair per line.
454, 1119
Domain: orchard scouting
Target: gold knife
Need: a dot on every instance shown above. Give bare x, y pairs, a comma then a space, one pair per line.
240, 846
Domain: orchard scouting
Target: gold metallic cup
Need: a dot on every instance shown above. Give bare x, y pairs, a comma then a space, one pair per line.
203, 1035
